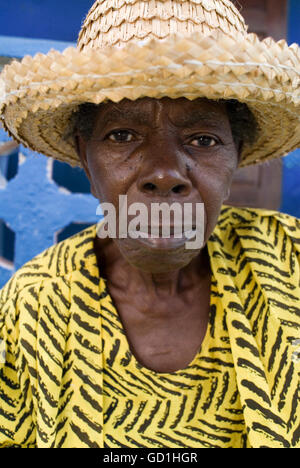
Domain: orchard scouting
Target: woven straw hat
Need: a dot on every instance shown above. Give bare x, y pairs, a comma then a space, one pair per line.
135, 48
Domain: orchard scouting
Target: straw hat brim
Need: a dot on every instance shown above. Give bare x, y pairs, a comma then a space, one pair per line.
39, 94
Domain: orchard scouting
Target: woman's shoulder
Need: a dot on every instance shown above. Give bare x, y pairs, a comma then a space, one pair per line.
265, 242
268, 224
249, 214
54, 264
38, 302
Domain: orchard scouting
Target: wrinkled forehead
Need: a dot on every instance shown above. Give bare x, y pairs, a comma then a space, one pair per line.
182, 110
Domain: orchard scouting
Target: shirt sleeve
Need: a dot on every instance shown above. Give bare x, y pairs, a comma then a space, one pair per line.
16, 409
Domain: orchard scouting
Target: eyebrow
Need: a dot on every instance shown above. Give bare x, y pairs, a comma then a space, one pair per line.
188, 120
184, 120
124, 114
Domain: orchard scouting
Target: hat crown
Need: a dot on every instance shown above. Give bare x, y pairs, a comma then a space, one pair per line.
116, 22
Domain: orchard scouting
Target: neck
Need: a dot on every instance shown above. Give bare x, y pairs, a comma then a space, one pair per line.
122, 275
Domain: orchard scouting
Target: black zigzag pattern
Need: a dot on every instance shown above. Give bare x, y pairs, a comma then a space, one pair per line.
70, 380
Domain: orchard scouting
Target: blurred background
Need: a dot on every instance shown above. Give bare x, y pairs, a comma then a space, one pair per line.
43, 201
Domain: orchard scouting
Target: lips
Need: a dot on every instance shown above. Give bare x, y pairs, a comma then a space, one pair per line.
169, 242
157, 232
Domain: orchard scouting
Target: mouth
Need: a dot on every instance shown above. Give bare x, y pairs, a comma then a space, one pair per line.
161, 231
173, 239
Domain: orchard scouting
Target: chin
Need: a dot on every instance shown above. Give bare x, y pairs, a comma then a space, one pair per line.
156, 260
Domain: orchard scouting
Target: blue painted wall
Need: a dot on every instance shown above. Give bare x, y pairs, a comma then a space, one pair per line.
294, 18
37, 209
290, 202
43, 19
20, 46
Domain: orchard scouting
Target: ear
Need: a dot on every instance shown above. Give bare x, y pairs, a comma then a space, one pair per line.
81, 149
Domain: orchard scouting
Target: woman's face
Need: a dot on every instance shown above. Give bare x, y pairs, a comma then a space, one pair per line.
157, 151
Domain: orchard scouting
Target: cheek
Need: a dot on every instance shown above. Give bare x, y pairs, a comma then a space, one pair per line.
214, 181
100, 176
213, 184
109, 178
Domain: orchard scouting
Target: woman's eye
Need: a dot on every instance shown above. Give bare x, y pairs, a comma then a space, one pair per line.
205, 140
125, 136
120, 136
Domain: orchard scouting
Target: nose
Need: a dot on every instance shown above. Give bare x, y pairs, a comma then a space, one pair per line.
164, 171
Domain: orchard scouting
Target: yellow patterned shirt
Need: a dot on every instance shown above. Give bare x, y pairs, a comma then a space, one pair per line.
69, 379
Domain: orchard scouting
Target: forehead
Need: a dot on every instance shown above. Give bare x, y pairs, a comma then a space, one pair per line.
181, 111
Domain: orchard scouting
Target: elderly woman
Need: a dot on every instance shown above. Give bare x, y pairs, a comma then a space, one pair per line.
138, 342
